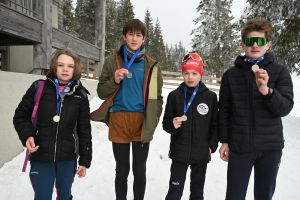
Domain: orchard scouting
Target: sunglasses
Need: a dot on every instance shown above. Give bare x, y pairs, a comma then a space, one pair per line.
193, 56
259, 41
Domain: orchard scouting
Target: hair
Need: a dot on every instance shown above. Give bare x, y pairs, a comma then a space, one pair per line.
259, 25
77, 63
135, 25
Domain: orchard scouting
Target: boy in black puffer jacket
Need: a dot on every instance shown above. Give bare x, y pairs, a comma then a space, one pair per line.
191, 117
254, 95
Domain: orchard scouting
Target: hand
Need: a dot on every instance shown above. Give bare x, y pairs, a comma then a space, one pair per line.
31, 145
262, 78
224, 152
177, 121
81, 171
119, 75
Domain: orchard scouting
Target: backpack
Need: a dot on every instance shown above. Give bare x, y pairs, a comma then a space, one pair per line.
37, 96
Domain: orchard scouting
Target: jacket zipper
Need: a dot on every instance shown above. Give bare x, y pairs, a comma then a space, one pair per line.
62, 99
251, 110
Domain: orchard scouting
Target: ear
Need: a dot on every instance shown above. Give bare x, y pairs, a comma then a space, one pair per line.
242, 44
144, 38
124, 37
269, 44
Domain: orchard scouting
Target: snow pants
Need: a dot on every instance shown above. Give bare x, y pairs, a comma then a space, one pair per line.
43, 175
177, 180
139, 158
266, 165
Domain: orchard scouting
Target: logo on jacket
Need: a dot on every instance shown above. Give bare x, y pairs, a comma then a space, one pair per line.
202, 108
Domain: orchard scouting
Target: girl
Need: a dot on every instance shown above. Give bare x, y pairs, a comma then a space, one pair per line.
62, 129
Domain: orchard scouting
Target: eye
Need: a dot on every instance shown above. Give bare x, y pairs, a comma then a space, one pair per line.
71, 66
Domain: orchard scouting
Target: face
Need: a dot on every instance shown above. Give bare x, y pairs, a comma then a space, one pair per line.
255, 51
65, 68
191, 78
133, 40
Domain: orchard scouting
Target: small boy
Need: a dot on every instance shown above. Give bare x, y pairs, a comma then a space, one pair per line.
131, 85
254, 95
191, 117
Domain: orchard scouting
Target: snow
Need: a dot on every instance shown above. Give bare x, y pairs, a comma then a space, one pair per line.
99, 182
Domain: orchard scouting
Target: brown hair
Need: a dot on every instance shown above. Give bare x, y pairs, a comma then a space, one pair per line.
259, 25
77, 63
135, 25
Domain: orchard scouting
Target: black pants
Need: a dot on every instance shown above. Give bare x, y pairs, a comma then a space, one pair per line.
177, 180
266, 165
139, 158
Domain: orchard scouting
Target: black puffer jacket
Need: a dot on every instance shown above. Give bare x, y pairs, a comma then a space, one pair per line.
191, 142
60, 141
249, 121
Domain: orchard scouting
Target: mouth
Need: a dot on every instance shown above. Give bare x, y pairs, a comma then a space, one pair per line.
65, 75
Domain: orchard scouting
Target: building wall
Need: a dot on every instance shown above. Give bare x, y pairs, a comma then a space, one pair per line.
12, 88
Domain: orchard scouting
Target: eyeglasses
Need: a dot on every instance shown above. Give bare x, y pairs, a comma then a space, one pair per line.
259, 41
191, 55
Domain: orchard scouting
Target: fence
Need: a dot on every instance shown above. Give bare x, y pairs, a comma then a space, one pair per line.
175, 78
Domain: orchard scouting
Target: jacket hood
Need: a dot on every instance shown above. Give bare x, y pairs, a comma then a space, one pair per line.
242, 63
76, 84
190, 90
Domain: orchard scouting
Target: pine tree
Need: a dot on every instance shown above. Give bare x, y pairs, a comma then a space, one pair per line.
214, 38
285, 16
158, 46
112, 31
85, 16
148, 44
69, 18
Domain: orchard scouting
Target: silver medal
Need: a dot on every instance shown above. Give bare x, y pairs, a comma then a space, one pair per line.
255, 67
129, 75
184, 117
56, 118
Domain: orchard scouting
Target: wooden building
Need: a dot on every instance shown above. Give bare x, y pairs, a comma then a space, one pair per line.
31, 31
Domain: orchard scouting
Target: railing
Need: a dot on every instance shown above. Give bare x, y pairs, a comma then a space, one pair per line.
175, 78
29, 7
39, 71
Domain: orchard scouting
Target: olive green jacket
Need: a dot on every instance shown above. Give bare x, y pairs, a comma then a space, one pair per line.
152, 90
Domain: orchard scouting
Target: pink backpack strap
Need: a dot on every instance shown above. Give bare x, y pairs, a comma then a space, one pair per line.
37, 98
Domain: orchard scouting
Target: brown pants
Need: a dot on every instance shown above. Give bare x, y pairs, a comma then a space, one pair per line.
125, 127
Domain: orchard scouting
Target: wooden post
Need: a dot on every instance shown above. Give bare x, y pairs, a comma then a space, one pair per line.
100, 33
42, 53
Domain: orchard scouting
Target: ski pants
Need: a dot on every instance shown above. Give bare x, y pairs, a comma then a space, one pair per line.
265, 164
177, 180
43, 175
139, 158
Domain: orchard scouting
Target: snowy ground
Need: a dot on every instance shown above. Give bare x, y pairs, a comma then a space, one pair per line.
99, 183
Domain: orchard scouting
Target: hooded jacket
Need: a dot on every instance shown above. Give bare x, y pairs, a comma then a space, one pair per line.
58, 141
190, 143
248, 120
152, 92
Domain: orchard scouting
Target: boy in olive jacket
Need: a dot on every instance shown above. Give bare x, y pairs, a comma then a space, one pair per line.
131, 85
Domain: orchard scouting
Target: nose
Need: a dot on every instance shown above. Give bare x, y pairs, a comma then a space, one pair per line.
255, 44
65, 68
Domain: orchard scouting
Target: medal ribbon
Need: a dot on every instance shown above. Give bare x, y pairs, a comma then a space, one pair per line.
258, 60
186, 107
132, 58
58, 99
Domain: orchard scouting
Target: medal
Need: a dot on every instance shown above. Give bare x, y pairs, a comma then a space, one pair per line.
56, 118
255, 67
129, 75
184, 117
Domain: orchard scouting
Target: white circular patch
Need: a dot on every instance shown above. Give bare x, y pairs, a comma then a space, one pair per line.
202, 108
